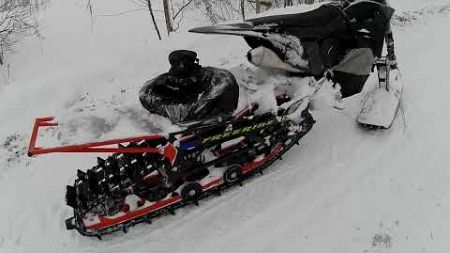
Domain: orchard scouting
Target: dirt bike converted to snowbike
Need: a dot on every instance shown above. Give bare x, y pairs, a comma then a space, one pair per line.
147, 176
342, 40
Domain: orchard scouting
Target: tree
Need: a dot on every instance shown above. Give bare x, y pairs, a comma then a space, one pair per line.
243, 9
216, 10
210, 11
152, 15
16, 22
262, 5
168, 15
147, 5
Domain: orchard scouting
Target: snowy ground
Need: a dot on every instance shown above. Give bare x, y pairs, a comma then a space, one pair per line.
341, 190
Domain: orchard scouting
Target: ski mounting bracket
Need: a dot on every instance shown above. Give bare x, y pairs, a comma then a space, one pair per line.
383, 65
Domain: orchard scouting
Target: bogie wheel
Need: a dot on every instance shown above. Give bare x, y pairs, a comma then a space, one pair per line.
191, 191
232, 174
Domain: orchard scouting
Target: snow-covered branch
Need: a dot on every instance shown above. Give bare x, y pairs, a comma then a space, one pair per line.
16, 22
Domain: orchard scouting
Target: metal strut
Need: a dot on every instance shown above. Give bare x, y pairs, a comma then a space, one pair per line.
383, 70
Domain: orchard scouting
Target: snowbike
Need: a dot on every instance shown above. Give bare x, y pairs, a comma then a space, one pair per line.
342, 40
149, 176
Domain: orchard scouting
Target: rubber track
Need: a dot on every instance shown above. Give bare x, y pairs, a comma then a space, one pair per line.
172, 208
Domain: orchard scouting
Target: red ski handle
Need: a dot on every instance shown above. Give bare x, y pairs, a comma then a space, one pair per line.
38, 123
109, 146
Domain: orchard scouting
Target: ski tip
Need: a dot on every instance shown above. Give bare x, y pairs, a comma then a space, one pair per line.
203, 29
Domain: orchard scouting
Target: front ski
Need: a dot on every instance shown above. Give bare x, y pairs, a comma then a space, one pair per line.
380, 105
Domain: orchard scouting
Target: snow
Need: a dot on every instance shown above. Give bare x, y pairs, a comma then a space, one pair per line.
289, 10
342, 190
291, 48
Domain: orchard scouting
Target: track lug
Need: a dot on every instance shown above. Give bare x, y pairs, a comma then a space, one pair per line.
101, 161
196, 203
261, 172
125, 230
99, 237
81, 175
240, 184
172, 211
219, 193
69, 224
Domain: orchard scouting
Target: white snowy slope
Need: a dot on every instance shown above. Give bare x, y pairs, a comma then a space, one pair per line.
342, 190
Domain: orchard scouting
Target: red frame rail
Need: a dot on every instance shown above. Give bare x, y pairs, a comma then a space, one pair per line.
91, 147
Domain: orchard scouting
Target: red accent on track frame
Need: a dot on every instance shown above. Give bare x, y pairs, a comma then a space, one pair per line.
108, 222
91, 147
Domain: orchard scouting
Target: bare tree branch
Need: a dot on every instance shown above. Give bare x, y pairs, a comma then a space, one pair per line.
122, 13
91, 13
182, 8
243, 9
150, 9
16, 22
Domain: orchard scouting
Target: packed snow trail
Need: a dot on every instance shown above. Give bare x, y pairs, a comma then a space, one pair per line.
342, 190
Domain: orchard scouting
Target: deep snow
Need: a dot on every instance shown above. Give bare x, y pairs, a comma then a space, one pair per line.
342, 190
